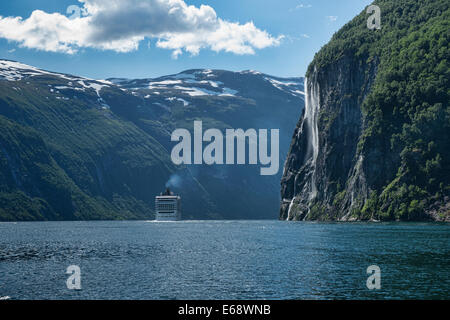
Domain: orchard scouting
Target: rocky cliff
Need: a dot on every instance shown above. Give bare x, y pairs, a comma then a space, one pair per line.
372, 143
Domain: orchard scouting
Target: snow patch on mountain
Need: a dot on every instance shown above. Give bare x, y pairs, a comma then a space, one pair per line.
171, 99
16, 71
288, 86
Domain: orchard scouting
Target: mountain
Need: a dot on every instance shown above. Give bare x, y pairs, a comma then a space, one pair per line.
73, 148
373, 142
221, 99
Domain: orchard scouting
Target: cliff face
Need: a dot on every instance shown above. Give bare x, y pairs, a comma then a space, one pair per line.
363, 149
323, 151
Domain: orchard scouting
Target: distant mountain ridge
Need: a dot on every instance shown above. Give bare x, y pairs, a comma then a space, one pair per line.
198, 82
76, 148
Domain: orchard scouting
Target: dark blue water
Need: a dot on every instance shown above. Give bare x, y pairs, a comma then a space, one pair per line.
224, 260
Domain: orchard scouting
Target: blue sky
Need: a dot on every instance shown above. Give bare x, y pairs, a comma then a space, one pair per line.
305, 25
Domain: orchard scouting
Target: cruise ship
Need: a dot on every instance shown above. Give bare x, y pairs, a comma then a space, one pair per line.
168, 206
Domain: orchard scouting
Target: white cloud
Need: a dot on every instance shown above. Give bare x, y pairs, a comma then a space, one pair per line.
120, 25
301, 6
300, 37
332, 18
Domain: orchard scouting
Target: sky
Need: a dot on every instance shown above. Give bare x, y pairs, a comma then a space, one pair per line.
101, 39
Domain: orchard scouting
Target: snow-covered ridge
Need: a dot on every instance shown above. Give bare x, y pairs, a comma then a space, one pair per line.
192, 83
16, 71
185, 85
13, 71
207, 82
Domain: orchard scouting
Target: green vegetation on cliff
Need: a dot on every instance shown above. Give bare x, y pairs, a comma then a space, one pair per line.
406, 113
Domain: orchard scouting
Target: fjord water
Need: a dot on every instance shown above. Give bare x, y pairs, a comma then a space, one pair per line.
224, 260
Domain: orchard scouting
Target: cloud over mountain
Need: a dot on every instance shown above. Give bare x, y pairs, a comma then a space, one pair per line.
120, 25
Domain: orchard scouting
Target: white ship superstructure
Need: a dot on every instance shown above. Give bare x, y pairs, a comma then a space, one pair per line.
168, 207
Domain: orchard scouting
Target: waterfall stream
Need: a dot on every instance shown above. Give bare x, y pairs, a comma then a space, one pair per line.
310, 125
311, 118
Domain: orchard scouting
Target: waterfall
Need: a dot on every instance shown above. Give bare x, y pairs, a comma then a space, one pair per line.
311, 118
310, 130
289, 209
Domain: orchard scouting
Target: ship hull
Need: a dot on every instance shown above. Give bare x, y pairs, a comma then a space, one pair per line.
168, 208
